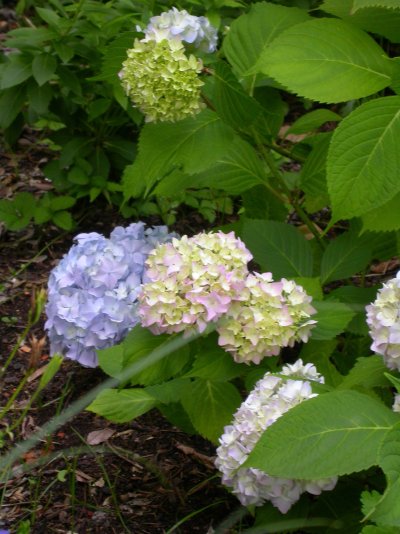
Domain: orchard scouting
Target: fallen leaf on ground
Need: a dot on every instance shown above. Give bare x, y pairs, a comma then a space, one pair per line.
99, 436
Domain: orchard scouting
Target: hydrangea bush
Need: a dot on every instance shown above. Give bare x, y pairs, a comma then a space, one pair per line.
383, 318
92, 293
271, 397
270, 315
192, 281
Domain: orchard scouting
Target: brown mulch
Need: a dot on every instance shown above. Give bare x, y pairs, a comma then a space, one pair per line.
148, 475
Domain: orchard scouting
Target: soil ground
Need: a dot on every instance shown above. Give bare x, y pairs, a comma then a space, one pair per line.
148, 475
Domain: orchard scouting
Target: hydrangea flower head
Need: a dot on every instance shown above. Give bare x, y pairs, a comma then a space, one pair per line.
383, 319
176, 25
271, 397
162, 81
270, 316
93, 291
192, 281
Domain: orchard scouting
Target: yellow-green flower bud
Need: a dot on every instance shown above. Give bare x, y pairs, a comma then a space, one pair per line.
162, 81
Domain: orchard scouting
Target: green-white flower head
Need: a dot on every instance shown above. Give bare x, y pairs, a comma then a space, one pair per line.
383, 319
162, 81
270, 315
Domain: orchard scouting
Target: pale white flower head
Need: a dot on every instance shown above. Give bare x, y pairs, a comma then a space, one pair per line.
175, 25
271, 397
383, 319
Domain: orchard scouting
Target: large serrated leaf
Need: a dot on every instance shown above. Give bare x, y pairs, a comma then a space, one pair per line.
326, 60
333, 434
386, 218
364, 160
250, 34
193, 146
231, 102
367, 372
387, 508
388, 4
236, 171
344, 256
279, 248
122, 405
210, 406
332, 319
373, 19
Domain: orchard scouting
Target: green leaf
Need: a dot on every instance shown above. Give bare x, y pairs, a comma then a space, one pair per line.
326, 60
357, 299
43, 68
173, 185
279, 248
17, 213
313, 120
39, 97
138, 343
169, 392
372, 529
62, 203
386, 218
28, 38
313, 174
363, 159
236, 171
194, 146
332, 319
367, 373
114, 56
210, 406
63, 219
388, 4
375, 19
49, 16
11, 102
216, 365
15, 71
122, 405
345, 256
232, 103
300, 444
78, 176
250, 34
387, 509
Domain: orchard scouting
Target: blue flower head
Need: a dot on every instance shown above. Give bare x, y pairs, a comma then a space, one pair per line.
93, 290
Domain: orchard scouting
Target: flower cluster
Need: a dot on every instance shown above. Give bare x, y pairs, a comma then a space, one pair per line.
383, 318
271, 315
93, 290
269, 400
178, 25
192, 281
162, 81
